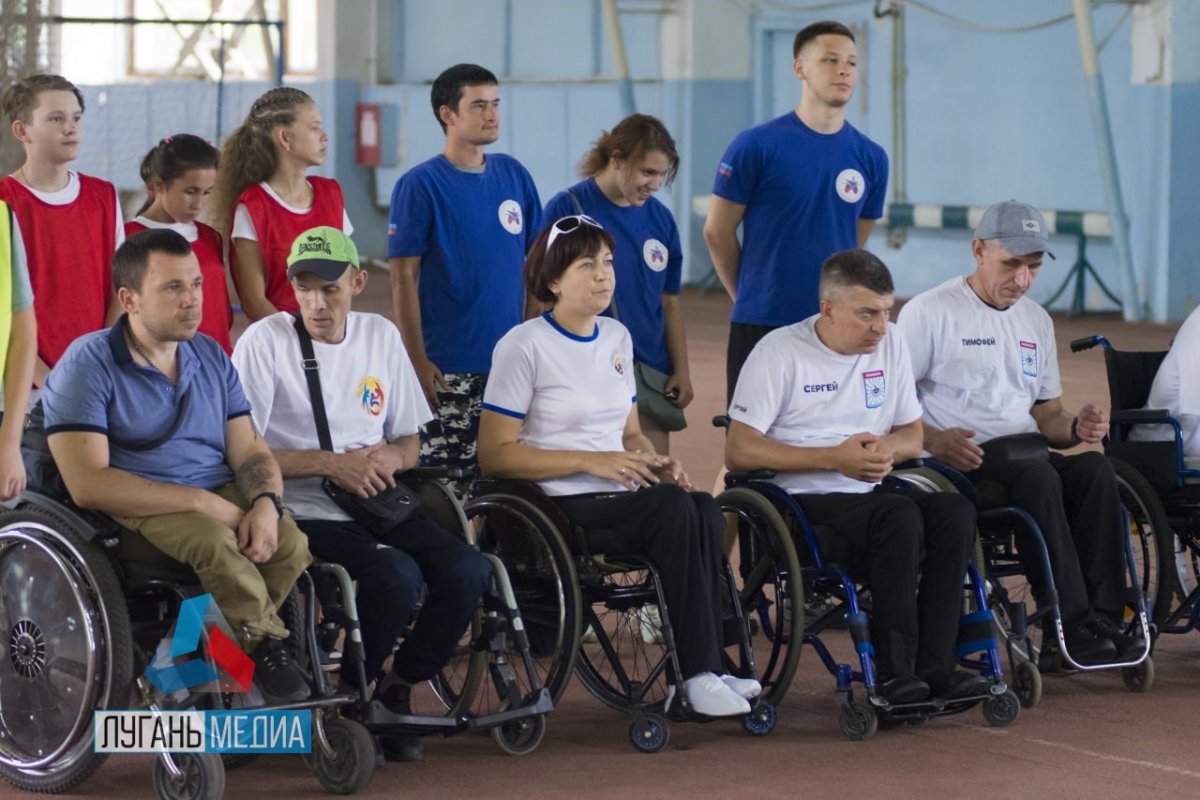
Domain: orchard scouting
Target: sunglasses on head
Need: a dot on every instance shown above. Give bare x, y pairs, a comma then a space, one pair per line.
569, 225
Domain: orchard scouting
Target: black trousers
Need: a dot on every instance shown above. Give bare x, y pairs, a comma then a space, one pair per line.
681, 534
1075, 501
912, 549
742, 338
390, 570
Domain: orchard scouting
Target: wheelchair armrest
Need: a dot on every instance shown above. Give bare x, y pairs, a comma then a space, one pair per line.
1159, 416
912, 463
721, 421
740, 477
1088, 342
438, 473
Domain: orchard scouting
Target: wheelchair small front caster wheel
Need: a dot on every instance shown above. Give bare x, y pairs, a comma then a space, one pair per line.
650, 733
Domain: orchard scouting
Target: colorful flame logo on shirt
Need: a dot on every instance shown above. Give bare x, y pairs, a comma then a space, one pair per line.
370, 394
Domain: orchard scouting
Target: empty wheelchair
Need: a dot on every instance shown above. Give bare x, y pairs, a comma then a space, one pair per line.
833, 597
1166, 520
1032, 627
593, 611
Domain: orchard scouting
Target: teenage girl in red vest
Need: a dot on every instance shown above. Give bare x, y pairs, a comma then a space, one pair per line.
179, 173
266, 200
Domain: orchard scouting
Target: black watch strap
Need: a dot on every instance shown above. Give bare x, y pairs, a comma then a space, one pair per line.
274, 498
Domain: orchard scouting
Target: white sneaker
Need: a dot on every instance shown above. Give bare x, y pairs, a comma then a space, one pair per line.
708, 695
743, 687
650, 619
589, 636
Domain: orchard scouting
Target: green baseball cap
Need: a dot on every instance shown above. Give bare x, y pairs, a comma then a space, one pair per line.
322, 251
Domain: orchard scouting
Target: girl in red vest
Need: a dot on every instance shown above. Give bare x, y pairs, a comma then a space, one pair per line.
266, 200
179, 173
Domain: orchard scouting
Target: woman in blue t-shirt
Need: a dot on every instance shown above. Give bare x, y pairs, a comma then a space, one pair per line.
623, 170
559, 409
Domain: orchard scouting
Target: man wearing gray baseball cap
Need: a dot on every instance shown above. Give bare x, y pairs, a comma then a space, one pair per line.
986, 368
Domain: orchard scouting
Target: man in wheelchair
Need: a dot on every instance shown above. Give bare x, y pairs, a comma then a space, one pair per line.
1176, 388
148, 424
986, 367
364, 432
829, 403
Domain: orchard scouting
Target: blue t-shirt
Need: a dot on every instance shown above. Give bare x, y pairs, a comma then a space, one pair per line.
804, 193
472, 230
97, 387
648, 262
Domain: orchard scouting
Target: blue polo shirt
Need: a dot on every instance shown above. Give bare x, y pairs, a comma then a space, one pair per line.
648, 262
471, 230
97, 387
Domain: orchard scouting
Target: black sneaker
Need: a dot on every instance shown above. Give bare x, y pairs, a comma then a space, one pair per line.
1086, 648
957, 685
280, 680
903, 689
1129, 647
396, 696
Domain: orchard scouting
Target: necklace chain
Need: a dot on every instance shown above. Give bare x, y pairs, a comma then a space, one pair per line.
137, 347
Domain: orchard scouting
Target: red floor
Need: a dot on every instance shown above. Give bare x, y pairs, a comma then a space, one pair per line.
1089, 737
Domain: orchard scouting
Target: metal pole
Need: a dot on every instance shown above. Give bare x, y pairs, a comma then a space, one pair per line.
1131, 306
612, 22
220, 82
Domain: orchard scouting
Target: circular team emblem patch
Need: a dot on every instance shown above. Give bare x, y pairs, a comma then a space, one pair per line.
654, 253
370, 395
619, 363
510, 216
850, 185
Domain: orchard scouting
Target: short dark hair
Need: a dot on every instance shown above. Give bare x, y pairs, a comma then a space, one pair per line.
132, 258
851, 268
20, 99
448, 87
823, 28
543, 267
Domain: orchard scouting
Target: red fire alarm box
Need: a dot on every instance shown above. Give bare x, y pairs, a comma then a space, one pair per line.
369, 134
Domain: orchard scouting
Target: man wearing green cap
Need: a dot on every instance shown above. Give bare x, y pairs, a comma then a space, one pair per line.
374, 407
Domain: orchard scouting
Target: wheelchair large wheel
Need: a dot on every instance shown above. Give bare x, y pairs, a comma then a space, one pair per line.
542, 573
769, 586
1153, 540
1010, 596
65, 649
624, 645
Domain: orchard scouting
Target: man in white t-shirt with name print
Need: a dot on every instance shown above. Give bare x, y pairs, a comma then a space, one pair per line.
374, 405
829, 403
986, 366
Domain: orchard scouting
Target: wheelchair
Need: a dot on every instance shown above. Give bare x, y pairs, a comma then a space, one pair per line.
1032, 630
1166, 520
86, 603
601, 614
825, 590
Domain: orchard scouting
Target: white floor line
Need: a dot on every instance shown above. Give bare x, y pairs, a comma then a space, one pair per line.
1121, 759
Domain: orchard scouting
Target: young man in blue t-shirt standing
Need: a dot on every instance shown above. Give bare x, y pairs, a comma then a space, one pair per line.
459, 227
804, 186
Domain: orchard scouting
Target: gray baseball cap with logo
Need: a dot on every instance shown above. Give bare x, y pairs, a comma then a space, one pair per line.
1018, 226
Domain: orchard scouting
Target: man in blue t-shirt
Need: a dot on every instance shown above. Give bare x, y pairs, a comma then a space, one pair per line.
803, 186
147, 423
459, 227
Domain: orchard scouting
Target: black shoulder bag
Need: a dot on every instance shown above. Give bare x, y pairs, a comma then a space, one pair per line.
380, 513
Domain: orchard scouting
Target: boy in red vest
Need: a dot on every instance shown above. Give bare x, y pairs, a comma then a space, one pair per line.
71, 223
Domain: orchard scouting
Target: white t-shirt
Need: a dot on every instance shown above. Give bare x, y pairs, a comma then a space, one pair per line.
187, 230
977, 366
369, 386
243, 226
795, 390
571, 392
1176, 388
70, 192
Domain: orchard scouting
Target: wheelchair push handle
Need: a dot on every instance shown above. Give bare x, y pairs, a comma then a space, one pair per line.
1088, 342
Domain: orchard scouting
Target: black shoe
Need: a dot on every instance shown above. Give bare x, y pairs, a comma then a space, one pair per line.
903, 689
1129, 647
957, 685
280, 680
396, 696
1086, 648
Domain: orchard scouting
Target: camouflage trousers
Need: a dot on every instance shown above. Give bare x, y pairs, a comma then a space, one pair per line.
448, 440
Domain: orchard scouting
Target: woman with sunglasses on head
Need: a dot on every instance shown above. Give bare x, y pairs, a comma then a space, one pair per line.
622, 171
560, 409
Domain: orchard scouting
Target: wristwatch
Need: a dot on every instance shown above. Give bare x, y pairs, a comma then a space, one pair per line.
274, 498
